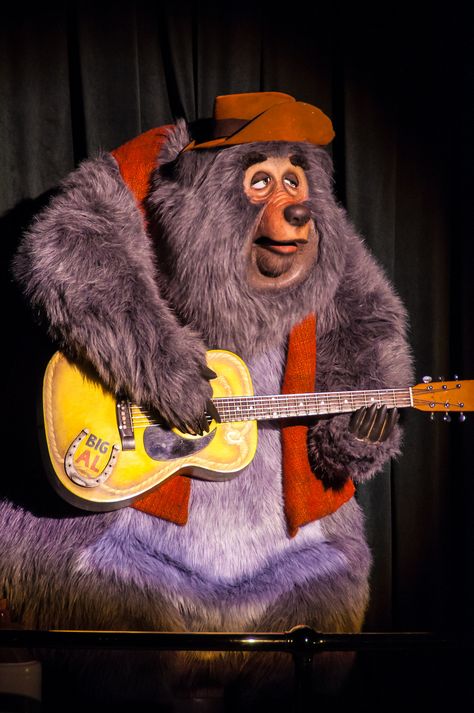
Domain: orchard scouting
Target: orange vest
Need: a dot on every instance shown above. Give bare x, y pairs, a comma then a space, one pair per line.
305, 497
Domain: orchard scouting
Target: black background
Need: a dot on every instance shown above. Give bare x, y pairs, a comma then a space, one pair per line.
396, 79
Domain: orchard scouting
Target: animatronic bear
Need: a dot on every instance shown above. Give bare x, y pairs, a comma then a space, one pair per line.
149, 257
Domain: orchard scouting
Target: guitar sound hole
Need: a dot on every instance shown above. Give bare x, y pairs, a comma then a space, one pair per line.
163, 444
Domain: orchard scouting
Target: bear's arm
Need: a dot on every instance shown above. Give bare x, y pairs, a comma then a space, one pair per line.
87, 268
366, 348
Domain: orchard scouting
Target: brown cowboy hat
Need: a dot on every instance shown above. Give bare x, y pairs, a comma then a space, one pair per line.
263, 116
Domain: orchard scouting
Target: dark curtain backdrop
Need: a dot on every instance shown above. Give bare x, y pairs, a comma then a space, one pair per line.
397, 81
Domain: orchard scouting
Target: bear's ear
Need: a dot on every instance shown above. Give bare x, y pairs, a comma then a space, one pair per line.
177, 139
183, 169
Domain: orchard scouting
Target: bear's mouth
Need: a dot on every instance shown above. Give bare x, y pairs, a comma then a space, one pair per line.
279, 247
281, 262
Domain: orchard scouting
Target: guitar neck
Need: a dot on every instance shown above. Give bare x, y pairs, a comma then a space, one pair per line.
259, 408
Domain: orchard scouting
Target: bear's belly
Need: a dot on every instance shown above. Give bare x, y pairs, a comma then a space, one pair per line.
235, 528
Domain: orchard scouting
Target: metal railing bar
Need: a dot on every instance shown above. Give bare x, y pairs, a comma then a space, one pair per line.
301, 639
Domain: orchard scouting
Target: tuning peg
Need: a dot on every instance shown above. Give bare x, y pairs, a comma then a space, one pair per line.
427, 379
447, 417
432, 417
441, 378
462, 417
455, 377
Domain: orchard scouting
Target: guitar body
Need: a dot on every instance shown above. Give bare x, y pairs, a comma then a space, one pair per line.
95, 465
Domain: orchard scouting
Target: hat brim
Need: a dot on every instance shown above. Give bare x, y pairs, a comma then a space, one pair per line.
288, 121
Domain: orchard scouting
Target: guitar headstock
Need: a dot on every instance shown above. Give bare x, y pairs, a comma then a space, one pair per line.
447, 396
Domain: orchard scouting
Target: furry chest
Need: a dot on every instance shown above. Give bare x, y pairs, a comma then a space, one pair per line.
235, 527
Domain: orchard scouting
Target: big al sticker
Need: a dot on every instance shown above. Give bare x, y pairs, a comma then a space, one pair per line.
90, 459
92, 456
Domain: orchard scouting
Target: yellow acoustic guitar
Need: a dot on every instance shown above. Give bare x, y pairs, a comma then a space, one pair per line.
107, 452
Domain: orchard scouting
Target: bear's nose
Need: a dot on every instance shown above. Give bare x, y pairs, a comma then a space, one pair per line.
296, 214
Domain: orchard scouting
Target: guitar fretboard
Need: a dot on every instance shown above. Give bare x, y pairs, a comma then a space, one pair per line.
255, 408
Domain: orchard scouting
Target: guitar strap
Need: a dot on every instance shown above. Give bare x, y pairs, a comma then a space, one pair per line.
305, 497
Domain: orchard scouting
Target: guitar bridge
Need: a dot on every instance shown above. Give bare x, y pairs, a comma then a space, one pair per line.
125, 424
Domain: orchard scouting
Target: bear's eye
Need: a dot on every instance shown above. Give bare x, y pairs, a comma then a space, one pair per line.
291, 180
260, 180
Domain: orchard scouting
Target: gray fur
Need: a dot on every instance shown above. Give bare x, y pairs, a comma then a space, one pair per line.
143, 309
88, 267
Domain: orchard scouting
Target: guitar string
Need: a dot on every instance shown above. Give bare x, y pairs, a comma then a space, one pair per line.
236, 413
282, 400
237, 418
238, 409
229, 417
297, 408
318, 396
